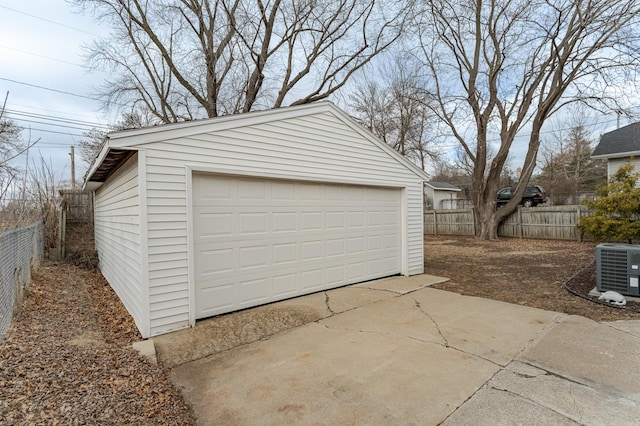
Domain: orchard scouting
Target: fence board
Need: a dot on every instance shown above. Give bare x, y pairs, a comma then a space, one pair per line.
449, 222
554, 222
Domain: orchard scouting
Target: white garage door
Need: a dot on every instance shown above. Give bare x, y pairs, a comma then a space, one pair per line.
261, 240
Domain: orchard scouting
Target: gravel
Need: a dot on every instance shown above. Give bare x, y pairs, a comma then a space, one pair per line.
67, 359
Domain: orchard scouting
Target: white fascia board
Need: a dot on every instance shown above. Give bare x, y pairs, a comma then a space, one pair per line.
620, 155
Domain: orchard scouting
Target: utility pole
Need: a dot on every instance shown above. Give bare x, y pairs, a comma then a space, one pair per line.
73, 168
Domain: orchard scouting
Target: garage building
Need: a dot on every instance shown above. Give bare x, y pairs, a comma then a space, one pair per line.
206, 217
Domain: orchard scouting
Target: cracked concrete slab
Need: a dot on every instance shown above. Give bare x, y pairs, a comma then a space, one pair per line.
404, 354
403, 285
493, 330
491, 407
397, 316
575, 401
224, 332
591, 353
632, 327
239, 328
321, 375
347, 298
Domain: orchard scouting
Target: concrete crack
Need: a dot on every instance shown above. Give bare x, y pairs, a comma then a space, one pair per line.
444, 339
619, 329
534, 402
326, 300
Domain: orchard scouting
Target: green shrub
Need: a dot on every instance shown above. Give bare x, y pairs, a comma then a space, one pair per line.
616, 208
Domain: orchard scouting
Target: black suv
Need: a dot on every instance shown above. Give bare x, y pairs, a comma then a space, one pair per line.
533, 196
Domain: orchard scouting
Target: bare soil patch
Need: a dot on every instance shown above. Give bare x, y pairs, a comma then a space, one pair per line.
67, 359
520, 271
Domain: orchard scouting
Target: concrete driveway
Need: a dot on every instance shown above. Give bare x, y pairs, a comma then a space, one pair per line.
396, 352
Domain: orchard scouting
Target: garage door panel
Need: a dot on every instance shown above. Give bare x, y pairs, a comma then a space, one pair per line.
374, 267
260, 240
221, 297
336, 275
311, 279
216, 261
284, 222
255, 290
355, 271
284, 253
284, 285
335, 247
253, 257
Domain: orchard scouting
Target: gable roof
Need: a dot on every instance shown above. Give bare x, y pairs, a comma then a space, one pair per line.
119, 146
622, 142
443, 186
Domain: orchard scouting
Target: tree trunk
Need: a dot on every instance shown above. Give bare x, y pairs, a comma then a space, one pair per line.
486, 221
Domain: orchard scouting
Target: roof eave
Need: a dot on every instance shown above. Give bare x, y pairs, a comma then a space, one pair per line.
615, 155
106, 163
441, 188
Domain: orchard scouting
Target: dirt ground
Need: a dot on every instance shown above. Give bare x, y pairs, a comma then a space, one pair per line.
521, 271
67, 359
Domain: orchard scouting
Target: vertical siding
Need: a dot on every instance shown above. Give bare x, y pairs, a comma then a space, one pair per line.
318, 147
117, 235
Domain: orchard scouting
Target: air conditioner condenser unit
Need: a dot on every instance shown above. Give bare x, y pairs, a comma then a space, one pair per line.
618, 268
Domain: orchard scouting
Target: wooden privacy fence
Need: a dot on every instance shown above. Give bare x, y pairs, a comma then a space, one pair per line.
554, 223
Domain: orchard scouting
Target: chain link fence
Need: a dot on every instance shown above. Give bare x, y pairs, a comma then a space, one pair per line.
20, 252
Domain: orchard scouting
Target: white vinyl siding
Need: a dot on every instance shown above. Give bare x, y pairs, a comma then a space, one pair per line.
613, 164
144, 211
167, 253
118, 239
319, 147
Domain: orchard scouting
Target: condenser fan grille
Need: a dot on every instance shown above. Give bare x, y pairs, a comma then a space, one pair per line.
613, 270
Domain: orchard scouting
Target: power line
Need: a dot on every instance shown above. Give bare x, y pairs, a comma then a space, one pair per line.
36, 116
41, 56
56, 125
49, 21
49, 89
48, 110
53, 131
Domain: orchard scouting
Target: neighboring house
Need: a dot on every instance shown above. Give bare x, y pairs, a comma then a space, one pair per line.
619, 147
211, 216
441, 195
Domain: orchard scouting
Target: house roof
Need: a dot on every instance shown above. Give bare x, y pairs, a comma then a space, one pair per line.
622, 142
443, 186
119, 146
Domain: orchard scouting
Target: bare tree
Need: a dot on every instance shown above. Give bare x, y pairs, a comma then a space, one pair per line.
502, 68
567, 166
394, 107
11, 147
91, 142
185, 59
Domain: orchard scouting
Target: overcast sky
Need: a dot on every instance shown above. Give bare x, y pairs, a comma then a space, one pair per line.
42, 69
50, 90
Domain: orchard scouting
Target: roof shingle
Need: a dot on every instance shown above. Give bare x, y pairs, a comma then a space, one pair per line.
621, 142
